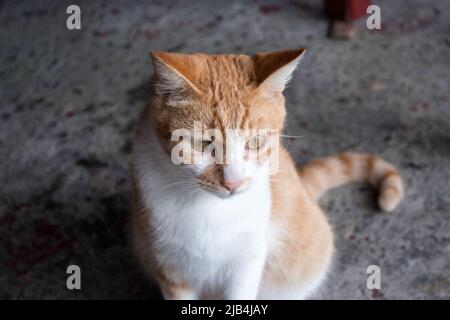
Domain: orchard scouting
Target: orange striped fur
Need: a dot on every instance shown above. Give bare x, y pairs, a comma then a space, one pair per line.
331, 172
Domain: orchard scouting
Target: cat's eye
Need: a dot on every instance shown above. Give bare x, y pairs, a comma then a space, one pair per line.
199, 144
255, 142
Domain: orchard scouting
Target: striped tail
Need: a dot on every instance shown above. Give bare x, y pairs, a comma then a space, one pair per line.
322, 174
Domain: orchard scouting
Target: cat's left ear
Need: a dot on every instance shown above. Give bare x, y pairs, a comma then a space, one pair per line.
175, 73
274, 69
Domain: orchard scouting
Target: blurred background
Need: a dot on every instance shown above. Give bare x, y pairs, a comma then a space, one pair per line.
69, 100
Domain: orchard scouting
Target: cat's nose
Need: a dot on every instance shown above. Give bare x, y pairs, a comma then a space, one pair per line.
232, 185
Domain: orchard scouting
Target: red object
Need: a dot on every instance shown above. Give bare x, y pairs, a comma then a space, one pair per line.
345, 9
268, 8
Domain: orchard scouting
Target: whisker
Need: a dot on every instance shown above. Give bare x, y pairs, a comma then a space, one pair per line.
293, 137
186, 183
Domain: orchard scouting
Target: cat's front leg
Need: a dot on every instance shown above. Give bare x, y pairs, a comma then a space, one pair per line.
176, 291
246, 276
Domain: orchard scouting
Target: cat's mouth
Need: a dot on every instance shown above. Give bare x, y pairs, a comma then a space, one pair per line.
218, 191
222, 191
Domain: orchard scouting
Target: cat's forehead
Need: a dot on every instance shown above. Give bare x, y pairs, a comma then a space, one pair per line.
226, 76
227, 85
229, 97
241, 109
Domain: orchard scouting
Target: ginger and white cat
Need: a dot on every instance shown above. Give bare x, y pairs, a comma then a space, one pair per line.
235, 230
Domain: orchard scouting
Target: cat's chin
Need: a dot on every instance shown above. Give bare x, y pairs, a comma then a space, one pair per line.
222, 194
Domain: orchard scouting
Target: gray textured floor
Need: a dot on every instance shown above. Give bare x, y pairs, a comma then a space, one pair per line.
69, 100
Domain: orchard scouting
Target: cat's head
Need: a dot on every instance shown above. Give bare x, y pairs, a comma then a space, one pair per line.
222, 114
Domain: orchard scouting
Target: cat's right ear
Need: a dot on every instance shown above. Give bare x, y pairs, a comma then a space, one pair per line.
274, 69
174, 73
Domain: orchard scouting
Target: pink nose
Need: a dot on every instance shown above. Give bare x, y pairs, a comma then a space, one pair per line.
232, 185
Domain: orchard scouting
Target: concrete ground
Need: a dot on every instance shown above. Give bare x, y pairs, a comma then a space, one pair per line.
69, 100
